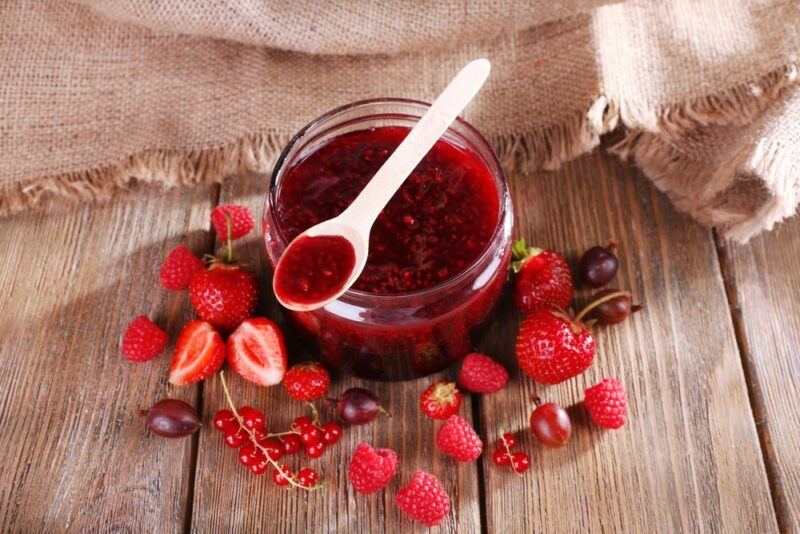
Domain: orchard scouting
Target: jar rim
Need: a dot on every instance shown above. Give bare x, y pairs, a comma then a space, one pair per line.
354, 296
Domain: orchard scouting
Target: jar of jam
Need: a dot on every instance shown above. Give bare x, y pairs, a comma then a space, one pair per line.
438, 253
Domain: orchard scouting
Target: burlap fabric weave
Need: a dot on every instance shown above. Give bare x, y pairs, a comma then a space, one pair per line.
94, 94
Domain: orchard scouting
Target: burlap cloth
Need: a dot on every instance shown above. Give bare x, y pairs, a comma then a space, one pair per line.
94, 94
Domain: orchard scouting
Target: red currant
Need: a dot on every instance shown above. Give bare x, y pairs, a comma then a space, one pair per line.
281, 478
520, 462
300, 423
509, 439
551, 425
315, 450
273, 447
235, 438
500, 457
331, 433
247, 454
224, 420
259, 465
291, 443
307, 477
251, 418
310, 435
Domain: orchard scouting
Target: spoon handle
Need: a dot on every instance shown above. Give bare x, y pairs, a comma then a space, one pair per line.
363, 211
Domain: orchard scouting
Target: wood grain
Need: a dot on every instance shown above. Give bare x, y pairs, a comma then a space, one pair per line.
75, 453
688, 459
77, 456
763, 278
227, 497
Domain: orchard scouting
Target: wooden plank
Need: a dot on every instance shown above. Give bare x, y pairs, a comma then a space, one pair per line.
763, 281
227, 497
689, 458
76, 455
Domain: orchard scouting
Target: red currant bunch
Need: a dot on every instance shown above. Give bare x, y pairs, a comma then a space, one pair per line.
311, 435
244, 429
505, 456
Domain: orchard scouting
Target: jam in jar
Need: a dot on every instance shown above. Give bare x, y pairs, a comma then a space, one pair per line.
438, 252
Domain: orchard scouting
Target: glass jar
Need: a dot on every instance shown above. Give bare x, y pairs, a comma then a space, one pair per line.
403, 335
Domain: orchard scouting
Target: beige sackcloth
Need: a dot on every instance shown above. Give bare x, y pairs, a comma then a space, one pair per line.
96, 93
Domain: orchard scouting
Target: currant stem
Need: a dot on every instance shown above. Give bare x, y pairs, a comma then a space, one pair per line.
594, 304
255, 442
279, 434
508, 453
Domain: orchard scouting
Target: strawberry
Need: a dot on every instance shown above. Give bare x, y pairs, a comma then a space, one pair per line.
552, 347
458, 439
142, 340
307, 381
199, 353
607, 403
543, 279
441, 400
224, 294
371, 469
241, 221
424, 499
179, 268
481, 374
256, 350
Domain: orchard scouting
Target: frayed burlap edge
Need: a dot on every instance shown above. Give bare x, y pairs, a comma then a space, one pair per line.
714, 202
542, 147
254, 152
545, 147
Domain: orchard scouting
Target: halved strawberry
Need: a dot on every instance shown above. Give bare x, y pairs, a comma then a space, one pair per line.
199, 353
257, 351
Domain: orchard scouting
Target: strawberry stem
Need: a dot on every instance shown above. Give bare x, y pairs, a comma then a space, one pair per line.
520, 253
594, 304
229, 228
257, 445
314, 414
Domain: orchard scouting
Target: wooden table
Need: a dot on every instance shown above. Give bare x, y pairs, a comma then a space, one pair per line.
711, 369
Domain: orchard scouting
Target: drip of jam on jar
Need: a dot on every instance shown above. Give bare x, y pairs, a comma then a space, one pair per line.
435, 226
314, 269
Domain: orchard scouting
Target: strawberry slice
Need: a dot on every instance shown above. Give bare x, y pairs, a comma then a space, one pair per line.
199, 353
257, 351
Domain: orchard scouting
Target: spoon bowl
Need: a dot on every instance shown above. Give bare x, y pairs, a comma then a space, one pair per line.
340, 279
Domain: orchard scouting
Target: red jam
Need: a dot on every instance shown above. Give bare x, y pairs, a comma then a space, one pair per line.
438, 258
434, 227
314, 269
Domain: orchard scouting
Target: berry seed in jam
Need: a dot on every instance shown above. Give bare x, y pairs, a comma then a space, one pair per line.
314, 269
434, 227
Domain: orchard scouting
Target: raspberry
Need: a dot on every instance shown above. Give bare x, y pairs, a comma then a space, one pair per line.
371, 469
424, 499
241, 221
607, 403
179, 268
458, 439
306, 381
481, 374
143, 340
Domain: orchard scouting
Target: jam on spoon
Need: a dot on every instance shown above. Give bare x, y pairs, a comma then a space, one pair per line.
315, 269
